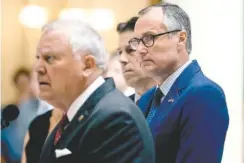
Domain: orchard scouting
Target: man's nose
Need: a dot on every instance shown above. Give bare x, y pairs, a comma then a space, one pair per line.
123, 58
142, 49
40, 67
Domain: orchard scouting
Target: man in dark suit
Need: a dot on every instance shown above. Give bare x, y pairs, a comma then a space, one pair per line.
186, 112
100, 124
133, 74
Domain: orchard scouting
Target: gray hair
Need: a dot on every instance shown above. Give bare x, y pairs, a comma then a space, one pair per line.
82, 37
174, 18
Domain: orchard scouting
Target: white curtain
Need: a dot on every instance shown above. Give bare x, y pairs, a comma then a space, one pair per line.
217, 40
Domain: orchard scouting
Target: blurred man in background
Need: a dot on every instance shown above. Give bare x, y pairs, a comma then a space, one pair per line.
38, 131
21, 80
39, 128
12, 138
131, 69
113, 69
187, 112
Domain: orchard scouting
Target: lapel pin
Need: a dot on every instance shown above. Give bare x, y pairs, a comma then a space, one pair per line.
171, 100
65, 127
81, 117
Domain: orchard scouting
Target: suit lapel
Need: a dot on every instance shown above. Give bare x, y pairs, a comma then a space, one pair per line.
145, 102
177, 88
84, 112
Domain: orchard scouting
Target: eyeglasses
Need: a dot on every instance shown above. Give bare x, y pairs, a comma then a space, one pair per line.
147, 40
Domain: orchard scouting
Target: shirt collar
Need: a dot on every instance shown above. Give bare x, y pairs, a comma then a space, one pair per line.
129, 91
167, 84
137, 97
81, 99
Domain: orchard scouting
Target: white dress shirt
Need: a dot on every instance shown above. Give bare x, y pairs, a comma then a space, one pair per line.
129, 91
137, 97
81, 99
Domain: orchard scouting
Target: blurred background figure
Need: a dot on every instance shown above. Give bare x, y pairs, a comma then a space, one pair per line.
12, 138
38, 131
21, 80
39, 128
113, 69
128, 58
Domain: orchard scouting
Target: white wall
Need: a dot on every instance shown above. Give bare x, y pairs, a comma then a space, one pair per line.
217, 33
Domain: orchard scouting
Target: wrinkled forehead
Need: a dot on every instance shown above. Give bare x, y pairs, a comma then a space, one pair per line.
53, 40
151, 21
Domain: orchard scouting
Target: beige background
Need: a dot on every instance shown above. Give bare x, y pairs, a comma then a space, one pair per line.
18, 42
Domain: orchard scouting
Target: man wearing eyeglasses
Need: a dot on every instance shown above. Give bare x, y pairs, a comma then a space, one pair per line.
186, 111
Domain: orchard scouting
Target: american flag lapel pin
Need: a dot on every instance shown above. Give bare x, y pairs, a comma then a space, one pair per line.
81, 117
171, 100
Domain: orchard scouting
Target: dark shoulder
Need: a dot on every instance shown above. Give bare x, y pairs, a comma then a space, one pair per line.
116, 102
41, 119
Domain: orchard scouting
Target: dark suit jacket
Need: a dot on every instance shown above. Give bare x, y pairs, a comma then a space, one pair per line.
38, 131
108, 128
190, 124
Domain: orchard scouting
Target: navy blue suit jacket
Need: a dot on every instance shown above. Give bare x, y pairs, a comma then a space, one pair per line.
108, 128
191, 123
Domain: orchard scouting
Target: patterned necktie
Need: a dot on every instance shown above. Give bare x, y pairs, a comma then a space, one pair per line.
156, 102
63, 122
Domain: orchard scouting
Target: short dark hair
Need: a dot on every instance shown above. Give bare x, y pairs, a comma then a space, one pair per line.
19, 72
127, 26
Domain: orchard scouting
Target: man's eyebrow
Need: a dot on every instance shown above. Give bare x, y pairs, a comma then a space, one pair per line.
148, 33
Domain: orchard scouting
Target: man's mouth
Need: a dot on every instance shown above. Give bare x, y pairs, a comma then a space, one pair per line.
43, 83
128, 71
146, 60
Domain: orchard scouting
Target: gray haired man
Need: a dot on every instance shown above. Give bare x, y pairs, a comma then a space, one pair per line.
99, 124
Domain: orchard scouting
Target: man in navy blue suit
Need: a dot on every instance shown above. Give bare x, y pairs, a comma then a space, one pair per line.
186, 111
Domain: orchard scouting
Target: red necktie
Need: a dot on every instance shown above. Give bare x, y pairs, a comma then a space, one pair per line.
63, 122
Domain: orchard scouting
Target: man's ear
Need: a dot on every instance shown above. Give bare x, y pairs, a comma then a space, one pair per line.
182, 40
183, 37
89, 64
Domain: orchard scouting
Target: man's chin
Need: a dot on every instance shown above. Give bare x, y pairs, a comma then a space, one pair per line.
132, 82
45, 97
148, 69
